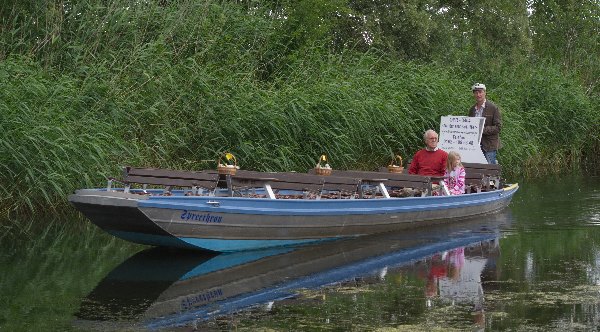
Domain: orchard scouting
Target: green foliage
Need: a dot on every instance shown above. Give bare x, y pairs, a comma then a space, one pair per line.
568, 32
88, 87
402, 28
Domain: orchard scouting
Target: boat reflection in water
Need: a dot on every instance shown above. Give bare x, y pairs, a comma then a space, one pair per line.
159, 288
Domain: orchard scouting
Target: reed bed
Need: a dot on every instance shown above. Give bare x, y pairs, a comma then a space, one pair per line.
176, 86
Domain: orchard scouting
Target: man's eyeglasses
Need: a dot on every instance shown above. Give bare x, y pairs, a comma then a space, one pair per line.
433, 138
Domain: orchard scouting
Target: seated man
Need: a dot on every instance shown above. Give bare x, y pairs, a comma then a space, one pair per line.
429, 161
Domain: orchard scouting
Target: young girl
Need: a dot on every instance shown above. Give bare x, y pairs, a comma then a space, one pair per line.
455, 173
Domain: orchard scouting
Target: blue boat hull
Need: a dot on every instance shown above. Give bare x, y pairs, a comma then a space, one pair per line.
241, 223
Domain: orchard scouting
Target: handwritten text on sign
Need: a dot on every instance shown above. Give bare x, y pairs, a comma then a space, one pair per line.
462, 134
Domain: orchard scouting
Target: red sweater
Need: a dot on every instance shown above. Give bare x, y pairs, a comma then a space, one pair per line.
429, 162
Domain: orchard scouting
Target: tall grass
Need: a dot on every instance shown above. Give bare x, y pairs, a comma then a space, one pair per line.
549, 120
175, 86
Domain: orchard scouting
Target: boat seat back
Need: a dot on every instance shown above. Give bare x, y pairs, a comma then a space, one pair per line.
170, 178
482, 177
294, 181
478, 177
392, 181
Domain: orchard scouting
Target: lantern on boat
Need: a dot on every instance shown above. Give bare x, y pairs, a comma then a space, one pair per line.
227, 164
395, 165
323, 169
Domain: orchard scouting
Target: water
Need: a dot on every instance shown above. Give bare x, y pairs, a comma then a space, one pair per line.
533, 267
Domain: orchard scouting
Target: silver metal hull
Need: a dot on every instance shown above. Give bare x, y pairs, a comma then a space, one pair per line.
237, 223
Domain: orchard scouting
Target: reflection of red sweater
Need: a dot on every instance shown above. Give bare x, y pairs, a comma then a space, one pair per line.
438, 271
429, 162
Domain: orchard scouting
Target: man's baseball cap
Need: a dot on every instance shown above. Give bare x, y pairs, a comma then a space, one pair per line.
478, 86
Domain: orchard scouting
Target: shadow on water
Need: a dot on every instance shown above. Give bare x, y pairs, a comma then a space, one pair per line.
159, 288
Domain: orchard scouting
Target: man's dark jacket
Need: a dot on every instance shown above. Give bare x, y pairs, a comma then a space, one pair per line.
490, 140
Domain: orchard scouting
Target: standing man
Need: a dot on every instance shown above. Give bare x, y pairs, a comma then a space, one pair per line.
431, 160
490, 140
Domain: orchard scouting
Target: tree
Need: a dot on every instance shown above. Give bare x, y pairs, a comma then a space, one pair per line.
568, 32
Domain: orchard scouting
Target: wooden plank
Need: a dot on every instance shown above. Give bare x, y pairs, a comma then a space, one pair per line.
293, 181
170, 178
376, 176
175, 174
483, 166
293, 177
186, 183
282, 185
400, 180
488, 169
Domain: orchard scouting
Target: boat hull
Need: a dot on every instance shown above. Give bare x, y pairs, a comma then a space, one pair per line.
118, 214
241, 223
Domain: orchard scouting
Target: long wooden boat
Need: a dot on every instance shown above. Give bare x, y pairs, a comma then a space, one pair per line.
252, 210
158, 289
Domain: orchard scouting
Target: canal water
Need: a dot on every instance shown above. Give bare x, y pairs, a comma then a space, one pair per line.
534, 266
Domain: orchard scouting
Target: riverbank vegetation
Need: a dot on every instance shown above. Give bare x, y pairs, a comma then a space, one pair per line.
88, 87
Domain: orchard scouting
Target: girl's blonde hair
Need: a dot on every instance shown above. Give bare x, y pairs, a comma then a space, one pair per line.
452, 157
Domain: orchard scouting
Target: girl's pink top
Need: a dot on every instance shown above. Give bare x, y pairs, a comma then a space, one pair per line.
455, 181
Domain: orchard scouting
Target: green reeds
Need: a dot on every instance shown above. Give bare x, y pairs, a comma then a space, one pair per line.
175, 86
549, 121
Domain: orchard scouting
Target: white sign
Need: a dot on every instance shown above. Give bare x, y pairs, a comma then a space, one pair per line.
463, 135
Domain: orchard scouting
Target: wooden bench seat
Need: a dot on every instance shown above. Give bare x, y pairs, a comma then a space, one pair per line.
167, 178
477, 176
347, 182
391, 181
291, 181
474, 182
483, 176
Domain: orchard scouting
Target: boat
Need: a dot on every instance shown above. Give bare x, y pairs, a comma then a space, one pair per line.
247, 210
161, 288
